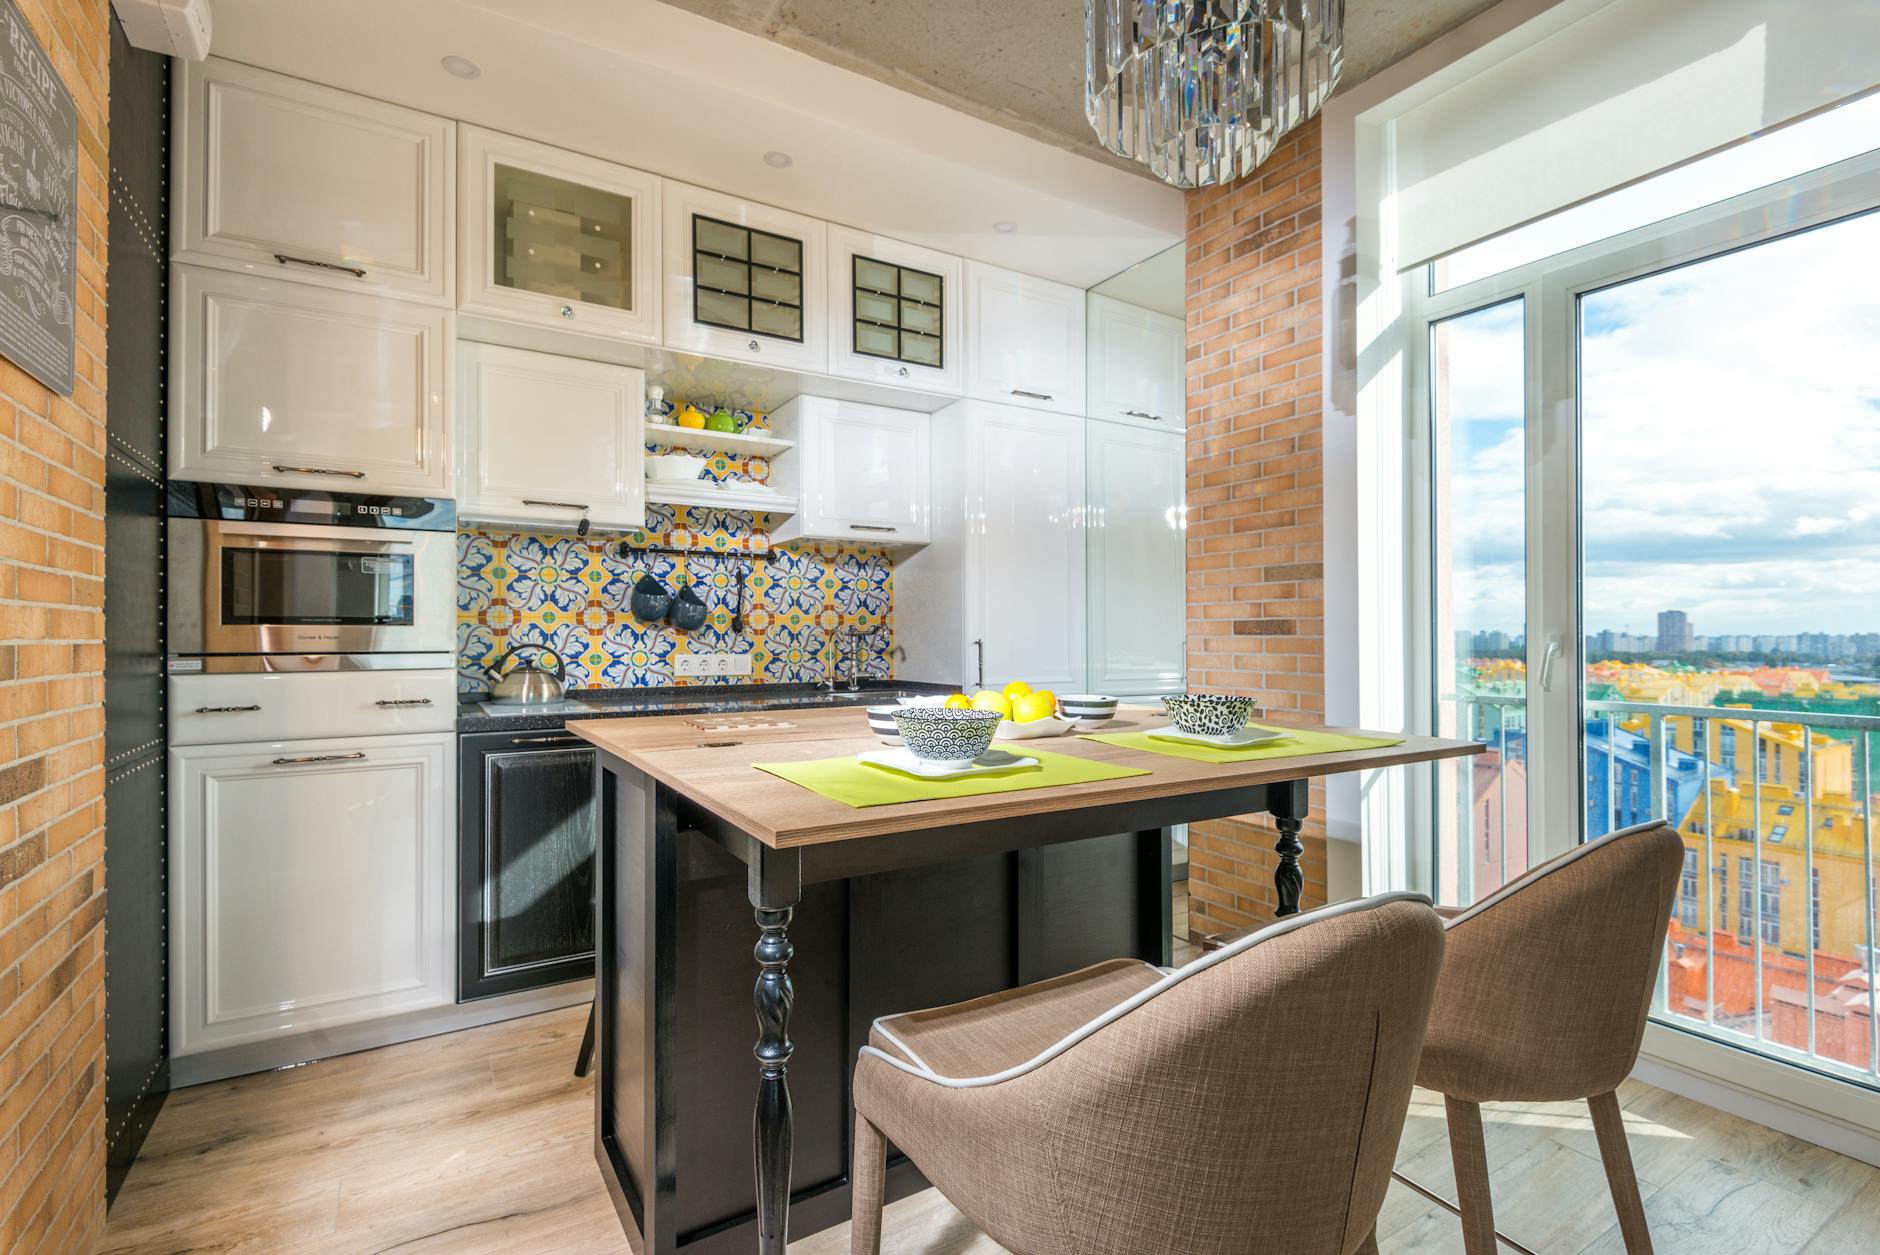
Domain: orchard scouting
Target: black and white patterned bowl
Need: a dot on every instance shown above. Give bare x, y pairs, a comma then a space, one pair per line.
1208, 714
1086, 707
938, 735
881, 723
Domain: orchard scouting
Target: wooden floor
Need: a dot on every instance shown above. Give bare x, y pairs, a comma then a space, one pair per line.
479, 1141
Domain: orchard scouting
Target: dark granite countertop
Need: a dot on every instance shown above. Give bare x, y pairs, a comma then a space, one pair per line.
477, 715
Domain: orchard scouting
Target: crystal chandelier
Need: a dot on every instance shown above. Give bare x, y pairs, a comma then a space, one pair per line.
1201, 91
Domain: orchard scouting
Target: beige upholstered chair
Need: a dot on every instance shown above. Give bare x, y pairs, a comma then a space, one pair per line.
1543, 998
1249, 1102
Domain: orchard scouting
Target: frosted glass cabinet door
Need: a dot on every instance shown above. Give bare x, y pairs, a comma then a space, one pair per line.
308, 886
547, 439
298, 386
1025, 558
1137, 541
1025, 340
279, 176
1136, 363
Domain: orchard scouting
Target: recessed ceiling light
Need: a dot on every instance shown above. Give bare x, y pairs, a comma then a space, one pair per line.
1005, 228
462, 67
777, 160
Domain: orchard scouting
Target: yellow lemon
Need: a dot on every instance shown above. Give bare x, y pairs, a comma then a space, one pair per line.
986, 699
1016, 689
1034, 706
958, 701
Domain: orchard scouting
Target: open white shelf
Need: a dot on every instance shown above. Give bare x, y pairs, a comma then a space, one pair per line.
701, 492
715, 441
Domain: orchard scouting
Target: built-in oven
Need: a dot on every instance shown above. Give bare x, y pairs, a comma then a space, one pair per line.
279, 579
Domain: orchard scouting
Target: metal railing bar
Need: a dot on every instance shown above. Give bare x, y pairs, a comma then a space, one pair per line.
1700, 741
1809, 922
1756, 714
1756, 861
1873, 921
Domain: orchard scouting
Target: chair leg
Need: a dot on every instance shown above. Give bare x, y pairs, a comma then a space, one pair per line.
585, 1059
1369, 1245
1470, 1154
868, 1180
1609, 1128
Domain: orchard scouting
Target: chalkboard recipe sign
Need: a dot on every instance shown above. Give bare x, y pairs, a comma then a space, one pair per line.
38, 207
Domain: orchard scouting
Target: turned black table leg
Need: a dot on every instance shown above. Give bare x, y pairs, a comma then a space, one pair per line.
775, 884
1288, 805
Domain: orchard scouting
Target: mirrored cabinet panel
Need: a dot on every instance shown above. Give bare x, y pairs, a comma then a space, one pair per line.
558, 239
743, 280
894, 312
1138, 333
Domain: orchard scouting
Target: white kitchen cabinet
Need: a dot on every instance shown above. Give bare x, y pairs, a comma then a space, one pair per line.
894, 312
1137, 364
860, 472
1024, 340
279, 176
309, 886
1137, 543
998, 593
558, 239
548, 440
745, 281
294, 385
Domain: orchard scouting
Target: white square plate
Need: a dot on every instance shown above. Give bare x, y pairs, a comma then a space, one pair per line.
990, 763
1246, 738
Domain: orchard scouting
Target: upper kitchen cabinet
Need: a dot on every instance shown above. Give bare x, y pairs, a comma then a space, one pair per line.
557, 239
894, 312
1025, 340
294, 385
859, 471
274, 175
1136, 363
745, 281
548, 440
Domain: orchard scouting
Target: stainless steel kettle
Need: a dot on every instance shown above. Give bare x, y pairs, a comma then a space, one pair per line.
528, 681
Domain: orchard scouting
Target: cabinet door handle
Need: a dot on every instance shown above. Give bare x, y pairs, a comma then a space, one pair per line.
289, 259
902, 372
317, 470
1154, 418
567, 311
319, 758
224, 710
546, 740
403, 701
979, 648
755, 347
871, 527
1036, 396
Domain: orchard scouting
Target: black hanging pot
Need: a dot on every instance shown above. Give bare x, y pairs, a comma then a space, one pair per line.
688, 612
650, 600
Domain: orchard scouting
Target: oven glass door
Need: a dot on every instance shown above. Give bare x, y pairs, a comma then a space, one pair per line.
305, 588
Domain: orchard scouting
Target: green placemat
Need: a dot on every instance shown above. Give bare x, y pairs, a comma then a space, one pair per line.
1292, 743
854, 783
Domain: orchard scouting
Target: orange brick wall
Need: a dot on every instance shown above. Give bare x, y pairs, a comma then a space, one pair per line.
52, 1138
1255, 505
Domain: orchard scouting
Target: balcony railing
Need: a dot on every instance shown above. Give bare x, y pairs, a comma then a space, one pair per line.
1761, 1018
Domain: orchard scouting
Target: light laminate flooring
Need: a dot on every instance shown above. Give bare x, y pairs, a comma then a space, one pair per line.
480, 1141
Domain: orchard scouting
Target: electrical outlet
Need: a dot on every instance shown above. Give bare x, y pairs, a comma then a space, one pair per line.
713, 664
734, 664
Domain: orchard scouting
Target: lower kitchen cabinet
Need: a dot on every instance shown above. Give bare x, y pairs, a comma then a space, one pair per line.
527, 822
308, 885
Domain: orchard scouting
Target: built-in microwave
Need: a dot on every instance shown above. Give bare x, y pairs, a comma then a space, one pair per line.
284, 579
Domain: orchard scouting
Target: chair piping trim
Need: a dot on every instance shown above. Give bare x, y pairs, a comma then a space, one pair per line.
1546, 869
1137, 999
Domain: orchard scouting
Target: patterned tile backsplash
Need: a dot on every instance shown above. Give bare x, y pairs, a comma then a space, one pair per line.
571, 594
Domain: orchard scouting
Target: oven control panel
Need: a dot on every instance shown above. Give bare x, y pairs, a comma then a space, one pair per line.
245, 503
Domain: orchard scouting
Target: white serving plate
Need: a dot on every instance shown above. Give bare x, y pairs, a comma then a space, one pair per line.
1050, 725
923, 699
992, 762
1246, 738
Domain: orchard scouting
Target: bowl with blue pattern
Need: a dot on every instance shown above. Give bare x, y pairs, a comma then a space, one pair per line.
1208, 714
952, 738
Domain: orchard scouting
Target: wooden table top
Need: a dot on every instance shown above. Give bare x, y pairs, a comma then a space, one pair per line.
708, 759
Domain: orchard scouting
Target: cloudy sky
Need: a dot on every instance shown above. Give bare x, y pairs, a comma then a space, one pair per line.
1731, 445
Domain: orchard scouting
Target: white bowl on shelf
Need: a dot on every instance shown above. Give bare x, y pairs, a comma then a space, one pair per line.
673, 468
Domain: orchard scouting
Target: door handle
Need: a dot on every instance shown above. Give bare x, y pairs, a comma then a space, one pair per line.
319, 758
871, 527
1154, 418
546, 740
979, 648
1036, 396
224, 710
317, 470
1547, 663
317, 264
403, 701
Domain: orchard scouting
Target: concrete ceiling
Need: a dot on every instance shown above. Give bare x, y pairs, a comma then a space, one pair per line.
1022, 65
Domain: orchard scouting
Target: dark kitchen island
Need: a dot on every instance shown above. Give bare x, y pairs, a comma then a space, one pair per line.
854, 914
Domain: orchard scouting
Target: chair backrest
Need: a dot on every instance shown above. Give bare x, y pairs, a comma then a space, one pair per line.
1546, 983
1254, 1101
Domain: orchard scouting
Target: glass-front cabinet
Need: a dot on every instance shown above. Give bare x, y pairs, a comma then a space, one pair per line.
556, 238
894, 312
743, 280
